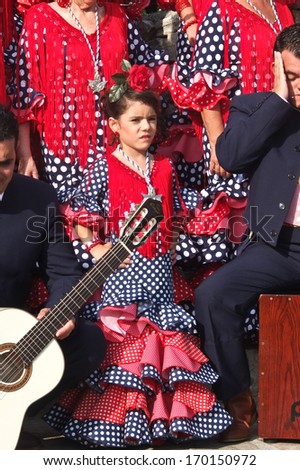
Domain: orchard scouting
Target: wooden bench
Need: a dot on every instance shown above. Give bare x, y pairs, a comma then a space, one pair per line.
279, 367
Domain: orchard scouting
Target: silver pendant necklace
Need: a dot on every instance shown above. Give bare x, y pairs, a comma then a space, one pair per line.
277, 20
97, 84
145, 174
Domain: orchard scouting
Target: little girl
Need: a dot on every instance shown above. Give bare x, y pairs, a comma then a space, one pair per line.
154, 383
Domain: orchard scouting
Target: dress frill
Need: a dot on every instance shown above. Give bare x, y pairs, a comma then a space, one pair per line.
153, 386
205, 89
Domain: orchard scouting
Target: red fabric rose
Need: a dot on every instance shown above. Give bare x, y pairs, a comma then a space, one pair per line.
139, 77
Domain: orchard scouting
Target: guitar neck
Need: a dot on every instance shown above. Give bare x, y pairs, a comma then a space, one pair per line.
44, 330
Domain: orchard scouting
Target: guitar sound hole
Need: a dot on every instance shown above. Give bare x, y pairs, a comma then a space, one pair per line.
11, 367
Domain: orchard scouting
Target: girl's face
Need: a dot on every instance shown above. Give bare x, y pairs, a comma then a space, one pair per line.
136, 127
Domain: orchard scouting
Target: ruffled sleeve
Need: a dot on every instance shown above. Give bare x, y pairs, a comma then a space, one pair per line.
91, 194
213, 66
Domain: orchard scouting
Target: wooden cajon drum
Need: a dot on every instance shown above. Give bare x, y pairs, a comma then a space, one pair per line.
279, 367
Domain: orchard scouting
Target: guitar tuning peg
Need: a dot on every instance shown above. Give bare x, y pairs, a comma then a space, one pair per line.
133, 209
128, 215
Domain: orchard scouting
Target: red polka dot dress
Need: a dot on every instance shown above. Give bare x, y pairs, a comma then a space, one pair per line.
154, 384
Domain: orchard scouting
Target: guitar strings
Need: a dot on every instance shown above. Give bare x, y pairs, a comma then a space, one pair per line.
50, 318
14, 354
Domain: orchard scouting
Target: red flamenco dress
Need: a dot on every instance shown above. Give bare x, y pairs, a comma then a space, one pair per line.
155, 383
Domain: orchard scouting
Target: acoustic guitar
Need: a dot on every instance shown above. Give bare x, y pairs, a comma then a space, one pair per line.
31, 361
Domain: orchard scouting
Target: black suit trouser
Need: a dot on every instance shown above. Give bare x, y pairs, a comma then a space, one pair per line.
224, 298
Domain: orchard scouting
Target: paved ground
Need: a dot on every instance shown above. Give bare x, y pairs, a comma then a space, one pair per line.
52, 441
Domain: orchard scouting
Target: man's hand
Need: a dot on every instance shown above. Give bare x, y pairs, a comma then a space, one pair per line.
63, 332
191, 33
280, 82
214, 167
99, 250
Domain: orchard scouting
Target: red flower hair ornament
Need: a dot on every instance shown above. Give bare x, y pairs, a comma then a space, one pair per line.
137, 77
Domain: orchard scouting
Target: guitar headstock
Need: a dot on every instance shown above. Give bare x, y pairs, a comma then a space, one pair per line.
142, 222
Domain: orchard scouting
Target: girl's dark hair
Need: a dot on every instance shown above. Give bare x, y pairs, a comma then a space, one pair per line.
117, 108
148, 97
9, 128
289, 40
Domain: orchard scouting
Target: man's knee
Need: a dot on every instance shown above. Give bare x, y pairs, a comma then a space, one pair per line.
211, 288
84, 349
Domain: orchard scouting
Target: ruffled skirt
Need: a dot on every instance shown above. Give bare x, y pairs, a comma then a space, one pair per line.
153, 386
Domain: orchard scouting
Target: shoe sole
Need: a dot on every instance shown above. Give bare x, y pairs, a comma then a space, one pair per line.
246, 438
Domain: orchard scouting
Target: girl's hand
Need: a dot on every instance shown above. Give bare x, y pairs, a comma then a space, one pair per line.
63, 332
28, 167
99, 250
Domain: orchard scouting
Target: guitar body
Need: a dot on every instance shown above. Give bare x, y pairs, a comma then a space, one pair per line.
23, 385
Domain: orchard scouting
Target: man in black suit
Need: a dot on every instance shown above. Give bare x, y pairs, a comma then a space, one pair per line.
31, 235
262, 139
